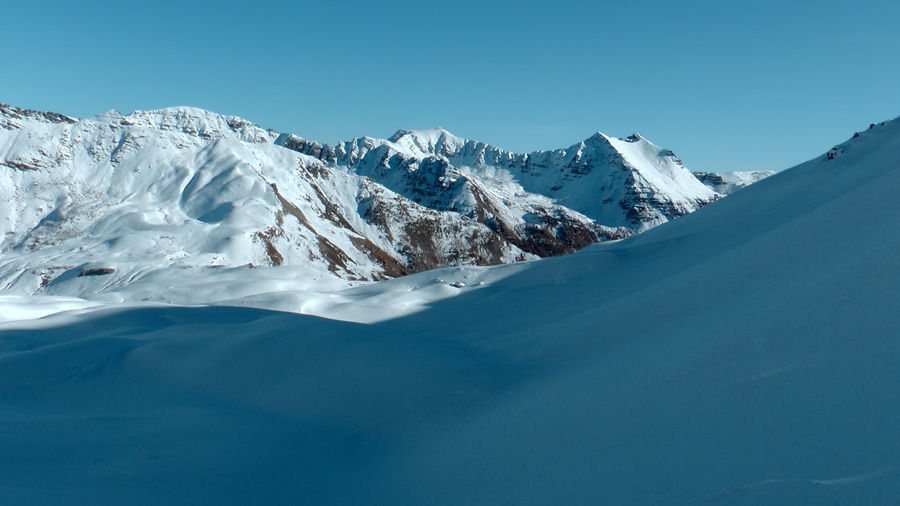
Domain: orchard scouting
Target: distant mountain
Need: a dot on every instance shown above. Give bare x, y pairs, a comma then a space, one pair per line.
94, 205
625, 183
726, 183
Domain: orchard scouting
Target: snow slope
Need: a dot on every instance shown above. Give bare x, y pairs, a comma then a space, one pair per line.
744, 354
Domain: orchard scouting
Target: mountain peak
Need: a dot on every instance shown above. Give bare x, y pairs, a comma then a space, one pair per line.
435, 132
198, 122
600, 136
169, 116
430, 134
433, 141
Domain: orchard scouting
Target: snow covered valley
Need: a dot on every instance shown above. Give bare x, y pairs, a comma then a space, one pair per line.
746, 353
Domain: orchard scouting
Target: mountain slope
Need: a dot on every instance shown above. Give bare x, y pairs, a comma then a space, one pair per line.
96, 205
740, 355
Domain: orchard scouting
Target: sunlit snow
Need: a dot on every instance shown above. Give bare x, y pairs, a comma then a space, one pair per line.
744, 354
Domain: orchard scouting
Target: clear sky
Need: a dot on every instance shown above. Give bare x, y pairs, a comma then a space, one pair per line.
735, 85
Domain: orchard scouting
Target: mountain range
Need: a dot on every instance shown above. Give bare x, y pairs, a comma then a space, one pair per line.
96, 207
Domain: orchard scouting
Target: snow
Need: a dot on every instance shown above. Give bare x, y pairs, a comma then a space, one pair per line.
424, 143
20, 307
726, 183
745, 178
743, 354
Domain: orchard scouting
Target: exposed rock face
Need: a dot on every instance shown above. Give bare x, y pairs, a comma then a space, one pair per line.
186, 188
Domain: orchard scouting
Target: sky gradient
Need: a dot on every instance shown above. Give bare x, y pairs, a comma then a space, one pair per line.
725, 85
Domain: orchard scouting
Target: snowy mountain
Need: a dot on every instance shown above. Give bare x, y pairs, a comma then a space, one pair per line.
98, 207
726, 183
125, 197
628, 183
744, 354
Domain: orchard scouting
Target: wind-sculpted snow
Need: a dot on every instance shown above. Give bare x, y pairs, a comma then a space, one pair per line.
741, 355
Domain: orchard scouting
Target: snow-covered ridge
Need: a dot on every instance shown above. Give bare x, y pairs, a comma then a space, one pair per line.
628, 183
191, 121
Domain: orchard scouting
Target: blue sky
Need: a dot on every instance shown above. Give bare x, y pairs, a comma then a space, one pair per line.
726, 85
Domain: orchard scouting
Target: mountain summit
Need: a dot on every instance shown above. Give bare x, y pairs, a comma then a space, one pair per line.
626, 182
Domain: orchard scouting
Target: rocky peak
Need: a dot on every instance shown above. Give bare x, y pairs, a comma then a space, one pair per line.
199, 123
433, 142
